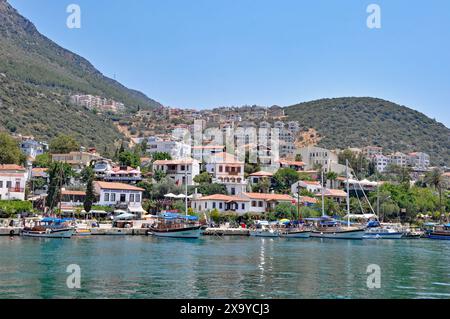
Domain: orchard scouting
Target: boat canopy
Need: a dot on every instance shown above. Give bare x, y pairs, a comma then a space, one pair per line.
56, 220
168, 215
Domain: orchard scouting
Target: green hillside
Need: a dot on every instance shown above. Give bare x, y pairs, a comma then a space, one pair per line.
358, 122
37, 76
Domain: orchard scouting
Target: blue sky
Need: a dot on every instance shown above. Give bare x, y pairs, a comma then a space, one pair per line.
207, 53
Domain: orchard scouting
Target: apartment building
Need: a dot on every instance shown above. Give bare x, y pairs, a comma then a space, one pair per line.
180, 171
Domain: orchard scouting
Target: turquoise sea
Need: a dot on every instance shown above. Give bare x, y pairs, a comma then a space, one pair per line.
212, 267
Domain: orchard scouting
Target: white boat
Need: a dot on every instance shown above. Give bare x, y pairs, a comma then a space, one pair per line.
264, 232
10, 228
377, 231
296, 233
49, 228
338, 232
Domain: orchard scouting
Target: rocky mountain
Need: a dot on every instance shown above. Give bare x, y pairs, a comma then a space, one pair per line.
37, 77
361, 121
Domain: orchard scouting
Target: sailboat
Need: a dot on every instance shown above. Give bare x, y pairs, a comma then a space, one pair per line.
328, 227
176, 225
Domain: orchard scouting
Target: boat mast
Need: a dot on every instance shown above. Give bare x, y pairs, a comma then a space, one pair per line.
348, 192
186, 187
323, 198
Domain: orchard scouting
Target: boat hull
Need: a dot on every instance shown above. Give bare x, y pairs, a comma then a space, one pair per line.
10, 231
296, 234
189, 232
439, 236
59, 233
383, 236
264, 234
343, 234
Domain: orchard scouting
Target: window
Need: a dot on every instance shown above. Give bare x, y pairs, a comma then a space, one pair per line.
123, 198
206, 205
8, 184
214, 205
253, 203
220, 169
131, 198
260, 204
137, 198
220, 205
106, 197
113, 197
1, 184
243, 206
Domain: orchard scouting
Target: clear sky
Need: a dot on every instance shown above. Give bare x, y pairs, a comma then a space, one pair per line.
207, 53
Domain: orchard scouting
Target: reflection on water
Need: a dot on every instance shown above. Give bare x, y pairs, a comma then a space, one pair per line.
141, 267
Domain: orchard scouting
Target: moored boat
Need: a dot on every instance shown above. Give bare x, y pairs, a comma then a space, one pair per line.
10, 228
49, 228
264, 232
441, 232
171, 225
296, 233
377, 231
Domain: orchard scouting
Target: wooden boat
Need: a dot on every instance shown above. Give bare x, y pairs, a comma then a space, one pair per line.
327, 227
49, 228
171, 225
333, 229
441, 232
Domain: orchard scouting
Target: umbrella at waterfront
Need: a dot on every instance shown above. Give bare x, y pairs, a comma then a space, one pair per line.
170, 195
125, 216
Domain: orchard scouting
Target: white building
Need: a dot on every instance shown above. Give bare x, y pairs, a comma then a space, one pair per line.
310, 186
118, 194
223, 203
229, 171
13, 179
179, 170
244, 203
204, 153
176, 149
399, 159
381, 162
419, 161
371, 151
313, 156
32, 148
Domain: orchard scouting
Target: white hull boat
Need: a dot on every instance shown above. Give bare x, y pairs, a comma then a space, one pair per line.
296, 234
10, 231
49, 233
339, 234
264, 233
382, 233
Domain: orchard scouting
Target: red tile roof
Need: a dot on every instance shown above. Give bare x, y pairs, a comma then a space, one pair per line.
225, 198
275, 197
11, 167
118, 186
262, 173
174, 162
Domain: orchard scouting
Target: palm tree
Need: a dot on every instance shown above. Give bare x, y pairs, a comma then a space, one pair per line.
332, 177
435, 179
